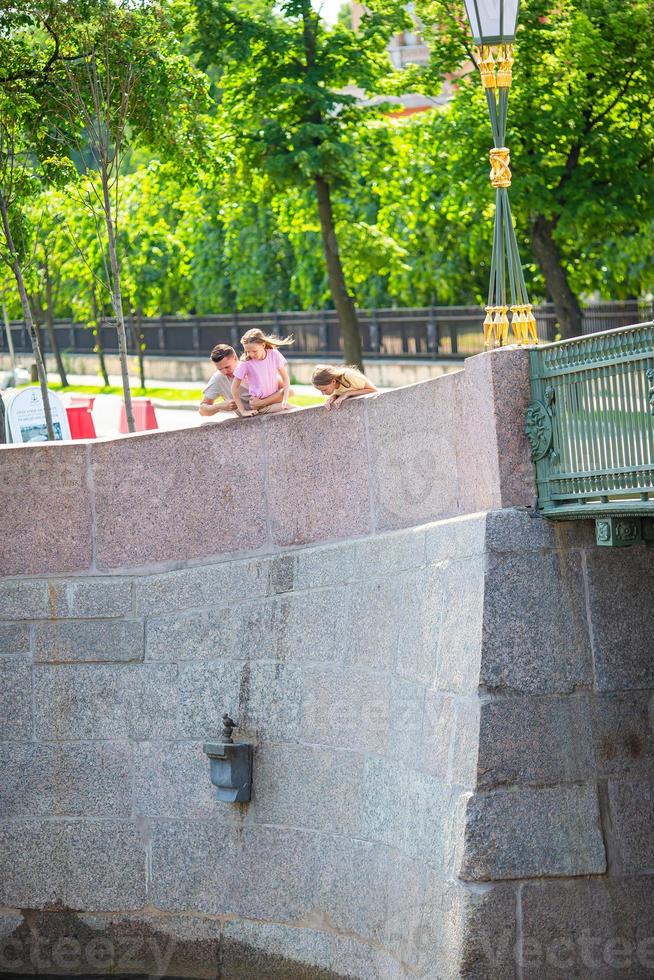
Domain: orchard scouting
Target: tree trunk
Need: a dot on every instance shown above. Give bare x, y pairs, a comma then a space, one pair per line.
546, 252
10, 339
49, 322
97, 347
117, 301
342, 300
27, 315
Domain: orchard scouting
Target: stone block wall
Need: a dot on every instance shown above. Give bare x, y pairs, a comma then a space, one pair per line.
453, 445
453, 771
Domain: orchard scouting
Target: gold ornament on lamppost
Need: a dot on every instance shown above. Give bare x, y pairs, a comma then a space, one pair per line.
493, 24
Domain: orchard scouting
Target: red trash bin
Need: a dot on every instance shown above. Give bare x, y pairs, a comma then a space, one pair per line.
80, 422
144, 416
85, 401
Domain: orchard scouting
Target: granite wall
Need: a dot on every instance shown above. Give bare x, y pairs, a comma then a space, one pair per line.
453, 773
453, 445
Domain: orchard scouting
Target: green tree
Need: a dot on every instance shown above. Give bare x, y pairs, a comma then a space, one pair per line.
580, 128
130, 81
284, 107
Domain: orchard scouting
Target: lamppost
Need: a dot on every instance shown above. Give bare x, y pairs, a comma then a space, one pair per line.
493, 24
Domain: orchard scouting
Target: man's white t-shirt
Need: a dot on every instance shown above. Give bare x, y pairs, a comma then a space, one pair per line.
220, 385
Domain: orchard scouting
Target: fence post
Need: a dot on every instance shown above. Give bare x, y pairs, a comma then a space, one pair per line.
323, 337
374, 332
161, 334
454, 338
234, 331
196, 339
433, 340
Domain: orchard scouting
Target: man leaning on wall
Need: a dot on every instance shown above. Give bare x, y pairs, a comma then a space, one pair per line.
220, 384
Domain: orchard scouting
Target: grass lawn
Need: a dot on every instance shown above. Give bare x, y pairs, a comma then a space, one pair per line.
165, 394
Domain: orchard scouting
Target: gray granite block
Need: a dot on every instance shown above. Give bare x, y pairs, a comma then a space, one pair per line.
15, 945
118, 641
525, 740
374, 623
623, 733
419, 613
310, 627
185, 700
588, 929
16, 698
211, 586
317, 568
256, 872
631, 805
91, 779
27, 599
74, 864
104, 865
458, 537
465, 745
270, 701
535, 633
467, 933
173, 780
521, 529
622, 628
384, 801
30, 861
384, 555
432, 822
14, 638
460, 638
276, 952
96, 598
533, 833
304, 786
127, 943
346, 707
67, 700
404, 740
351, 885
205, 635
438, 732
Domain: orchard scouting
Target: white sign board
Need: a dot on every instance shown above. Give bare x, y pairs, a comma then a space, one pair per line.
26, 418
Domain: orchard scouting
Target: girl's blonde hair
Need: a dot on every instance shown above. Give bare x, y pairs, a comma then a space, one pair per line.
269, 341
324, 374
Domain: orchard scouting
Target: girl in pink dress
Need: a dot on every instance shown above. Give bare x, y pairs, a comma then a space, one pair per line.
262, 368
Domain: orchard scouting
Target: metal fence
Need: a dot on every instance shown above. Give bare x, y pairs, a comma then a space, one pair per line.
425, 333
591, 425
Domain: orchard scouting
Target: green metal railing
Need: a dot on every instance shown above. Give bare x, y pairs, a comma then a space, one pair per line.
591, 427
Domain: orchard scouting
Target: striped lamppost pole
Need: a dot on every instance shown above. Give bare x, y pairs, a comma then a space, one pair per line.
493, 24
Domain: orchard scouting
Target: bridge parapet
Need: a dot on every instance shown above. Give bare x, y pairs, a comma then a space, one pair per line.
591, 429
450, 446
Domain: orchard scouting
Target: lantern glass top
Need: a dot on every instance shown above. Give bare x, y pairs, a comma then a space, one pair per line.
492, 21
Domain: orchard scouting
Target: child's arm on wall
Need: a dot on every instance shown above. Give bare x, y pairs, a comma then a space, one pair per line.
208, 408
354, 393
236, 395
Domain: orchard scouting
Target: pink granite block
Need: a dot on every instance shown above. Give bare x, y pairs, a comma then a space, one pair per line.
412, 436
45, 509
180, 495
318, 474
477, 463
511, 395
